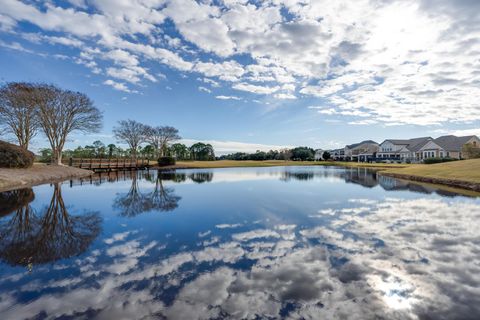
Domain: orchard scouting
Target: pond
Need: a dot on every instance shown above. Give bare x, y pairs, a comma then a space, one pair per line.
239, 243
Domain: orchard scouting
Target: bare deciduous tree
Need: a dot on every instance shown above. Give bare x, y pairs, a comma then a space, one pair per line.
131, 132
62, 111
160, 137
17, 111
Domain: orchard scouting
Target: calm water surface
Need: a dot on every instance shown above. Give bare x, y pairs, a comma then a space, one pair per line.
240, 243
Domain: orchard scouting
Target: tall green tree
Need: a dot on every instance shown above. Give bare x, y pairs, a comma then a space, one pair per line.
201, 151
111, 150
180, 151
100, 148
303, 153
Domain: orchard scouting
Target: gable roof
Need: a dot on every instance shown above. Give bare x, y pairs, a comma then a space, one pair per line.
352, 146
412, 145
452, 143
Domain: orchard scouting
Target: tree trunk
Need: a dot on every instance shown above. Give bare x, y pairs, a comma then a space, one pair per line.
57, 157
23, 143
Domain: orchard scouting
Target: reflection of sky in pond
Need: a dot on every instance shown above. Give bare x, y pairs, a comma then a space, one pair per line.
248, 243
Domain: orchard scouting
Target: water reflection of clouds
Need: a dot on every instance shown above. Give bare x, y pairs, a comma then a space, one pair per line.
363, 258
424, 267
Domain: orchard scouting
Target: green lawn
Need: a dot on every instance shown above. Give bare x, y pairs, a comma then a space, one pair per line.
465, 170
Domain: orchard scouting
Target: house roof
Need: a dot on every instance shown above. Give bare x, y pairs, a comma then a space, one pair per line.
352, 146
452, 143
411, 144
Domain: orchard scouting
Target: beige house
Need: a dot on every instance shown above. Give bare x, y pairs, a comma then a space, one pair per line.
430, 150
362, 152
453, 146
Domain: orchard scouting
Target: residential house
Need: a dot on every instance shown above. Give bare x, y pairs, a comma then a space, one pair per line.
453, 146
362, 152
338, 154
430, 150
415, 149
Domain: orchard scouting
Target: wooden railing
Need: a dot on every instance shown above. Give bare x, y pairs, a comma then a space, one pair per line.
108, 164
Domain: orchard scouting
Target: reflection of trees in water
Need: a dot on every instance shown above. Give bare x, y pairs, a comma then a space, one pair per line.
163, 198
135, 202
30, 238
132, 202
301, 176
14, 200
201, 177
172, 176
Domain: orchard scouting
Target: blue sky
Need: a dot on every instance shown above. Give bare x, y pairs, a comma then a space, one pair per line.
247, 75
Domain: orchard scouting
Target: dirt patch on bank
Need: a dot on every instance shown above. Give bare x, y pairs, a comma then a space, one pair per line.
448, 182
11, 179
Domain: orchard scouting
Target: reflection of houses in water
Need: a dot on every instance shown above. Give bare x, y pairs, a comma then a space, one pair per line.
362, 176
29, 238
389, 183
367, 178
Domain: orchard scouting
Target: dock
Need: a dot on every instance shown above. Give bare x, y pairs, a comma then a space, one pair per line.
110, 164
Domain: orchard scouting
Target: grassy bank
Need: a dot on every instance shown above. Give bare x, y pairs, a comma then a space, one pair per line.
463, 174
38, 174
273, 163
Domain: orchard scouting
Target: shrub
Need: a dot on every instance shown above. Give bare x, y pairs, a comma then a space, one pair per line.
12, 156
166, 161
438, 160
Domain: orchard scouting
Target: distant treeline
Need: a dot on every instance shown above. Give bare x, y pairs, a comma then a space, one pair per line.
198, 151
296, 154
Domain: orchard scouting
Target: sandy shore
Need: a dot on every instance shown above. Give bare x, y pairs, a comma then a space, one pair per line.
38, 174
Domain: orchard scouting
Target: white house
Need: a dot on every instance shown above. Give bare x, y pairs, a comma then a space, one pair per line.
337, 154
405, 149
319, 155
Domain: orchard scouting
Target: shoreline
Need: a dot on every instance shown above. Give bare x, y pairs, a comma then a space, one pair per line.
12, 179
391, 170
461, 184
272, 163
